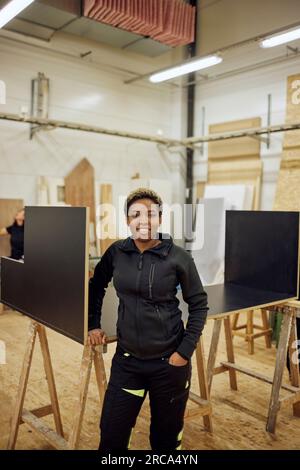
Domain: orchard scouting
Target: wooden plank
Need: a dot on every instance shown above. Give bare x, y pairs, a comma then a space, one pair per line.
43, 429
257, 375
290, 400
254, 335
249, 332
287, 195
100, 373
8, 210
278, 373
202, 380
219, 370
80, 191
40, 412
243, 147
50, 379
266, 328
84, 378
240, 171
106, 224
294, 365
17, 411
230, 352
292, 138
213, 351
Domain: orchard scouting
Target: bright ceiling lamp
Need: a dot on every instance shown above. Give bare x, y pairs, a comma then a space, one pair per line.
282, 38
12, 9
187, 67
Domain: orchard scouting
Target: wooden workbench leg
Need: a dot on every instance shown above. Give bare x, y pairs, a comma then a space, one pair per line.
235, 321
100, 373
266, 326
18, 407
213, 352
50, 379
279, 368
203, 386
249, 332
85, 373
294, 362
230, 353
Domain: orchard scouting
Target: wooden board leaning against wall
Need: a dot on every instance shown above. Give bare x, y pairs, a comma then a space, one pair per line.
236, 161
288, 185
80, 192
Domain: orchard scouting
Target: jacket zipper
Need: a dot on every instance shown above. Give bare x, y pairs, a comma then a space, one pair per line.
151, 277
137, 319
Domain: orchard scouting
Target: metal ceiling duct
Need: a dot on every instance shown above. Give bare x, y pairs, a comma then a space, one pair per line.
152, 29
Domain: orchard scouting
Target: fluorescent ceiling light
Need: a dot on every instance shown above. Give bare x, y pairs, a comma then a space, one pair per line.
188, 67
281, 38
12, 9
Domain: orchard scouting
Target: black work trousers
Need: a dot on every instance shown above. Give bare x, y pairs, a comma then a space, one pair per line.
130, 381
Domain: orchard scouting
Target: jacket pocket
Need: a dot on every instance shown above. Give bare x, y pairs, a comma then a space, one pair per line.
162, 322
120, 321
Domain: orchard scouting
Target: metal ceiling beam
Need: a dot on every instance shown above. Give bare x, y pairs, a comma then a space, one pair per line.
49, 124
256, 131
53, 124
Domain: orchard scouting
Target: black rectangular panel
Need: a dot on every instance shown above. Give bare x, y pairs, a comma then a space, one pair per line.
261, 250
50, 286
229, 298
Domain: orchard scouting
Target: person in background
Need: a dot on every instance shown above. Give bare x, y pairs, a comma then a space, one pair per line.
16, 232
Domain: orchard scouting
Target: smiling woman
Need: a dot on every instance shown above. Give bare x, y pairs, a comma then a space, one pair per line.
154, 349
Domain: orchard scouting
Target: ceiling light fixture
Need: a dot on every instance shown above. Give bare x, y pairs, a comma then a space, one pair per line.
183, 69
12, 9
282, 38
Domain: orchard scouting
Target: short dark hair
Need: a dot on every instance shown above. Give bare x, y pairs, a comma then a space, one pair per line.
142, 193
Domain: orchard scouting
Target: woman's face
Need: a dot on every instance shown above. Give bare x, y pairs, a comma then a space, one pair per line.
143, 219
20, 217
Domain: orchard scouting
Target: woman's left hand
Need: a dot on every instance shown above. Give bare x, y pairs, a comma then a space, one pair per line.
176, 360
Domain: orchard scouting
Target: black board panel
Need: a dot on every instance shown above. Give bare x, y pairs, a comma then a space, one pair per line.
50, 286
229, 298
261, 250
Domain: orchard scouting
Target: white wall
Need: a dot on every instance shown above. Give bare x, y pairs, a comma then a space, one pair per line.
226, 22
245, 96
90, 92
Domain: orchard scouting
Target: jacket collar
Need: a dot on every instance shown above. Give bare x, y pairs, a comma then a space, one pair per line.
162, 249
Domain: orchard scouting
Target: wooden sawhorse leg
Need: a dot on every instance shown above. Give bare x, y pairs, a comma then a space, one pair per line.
250, 326
294, 363
90, 354
211, 369
279, 368
21, 415
32, 418
204, 408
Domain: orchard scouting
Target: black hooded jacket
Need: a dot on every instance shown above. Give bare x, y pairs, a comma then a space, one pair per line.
149, 321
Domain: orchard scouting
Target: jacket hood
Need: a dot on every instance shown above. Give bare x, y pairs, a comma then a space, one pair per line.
162, 249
